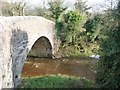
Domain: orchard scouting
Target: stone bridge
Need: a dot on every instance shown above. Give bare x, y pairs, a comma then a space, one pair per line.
17, 36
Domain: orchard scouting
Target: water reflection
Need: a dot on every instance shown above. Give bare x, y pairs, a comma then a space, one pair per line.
71, 67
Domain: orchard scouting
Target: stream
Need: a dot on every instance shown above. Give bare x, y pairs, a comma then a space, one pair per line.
65, 66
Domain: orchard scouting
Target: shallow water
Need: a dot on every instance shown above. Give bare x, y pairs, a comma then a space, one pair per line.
67, 66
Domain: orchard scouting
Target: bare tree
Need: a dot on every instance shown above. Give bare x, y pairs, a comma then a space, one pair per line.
0, 8
13, 8
18, 8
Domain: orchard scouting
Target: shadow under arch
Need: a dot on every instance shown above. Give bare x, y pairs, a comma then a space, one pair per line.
42, 48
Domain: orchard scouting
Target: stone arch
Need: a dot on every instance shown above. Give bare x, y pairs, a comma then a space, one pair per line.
41, 48
20, 50
17, 36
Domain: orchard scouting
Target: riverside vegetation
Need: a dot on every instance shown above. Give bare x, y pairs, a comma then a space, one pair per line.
82, 33
56, 81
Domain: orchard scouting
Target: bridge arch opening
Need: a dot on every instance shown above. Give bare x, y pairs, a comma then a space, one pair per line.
42, 48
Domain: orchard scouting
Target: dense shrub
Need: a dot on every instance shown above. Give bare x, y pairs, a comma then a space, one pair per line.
72, 26
92, 27
108, 73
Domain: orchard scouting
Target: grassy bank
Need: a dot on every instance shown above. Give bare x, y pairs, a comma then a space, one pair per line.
56, 81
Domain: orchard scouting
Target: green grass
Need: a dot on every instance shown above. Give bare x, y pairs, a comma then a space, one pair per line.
55, 81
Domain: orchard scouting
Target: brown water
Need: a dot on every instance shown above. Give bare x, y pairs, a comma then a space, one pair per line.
71, 67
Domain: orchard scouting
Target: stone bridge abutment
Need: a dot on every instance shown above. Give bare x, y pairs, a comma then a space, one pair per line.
17, 36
